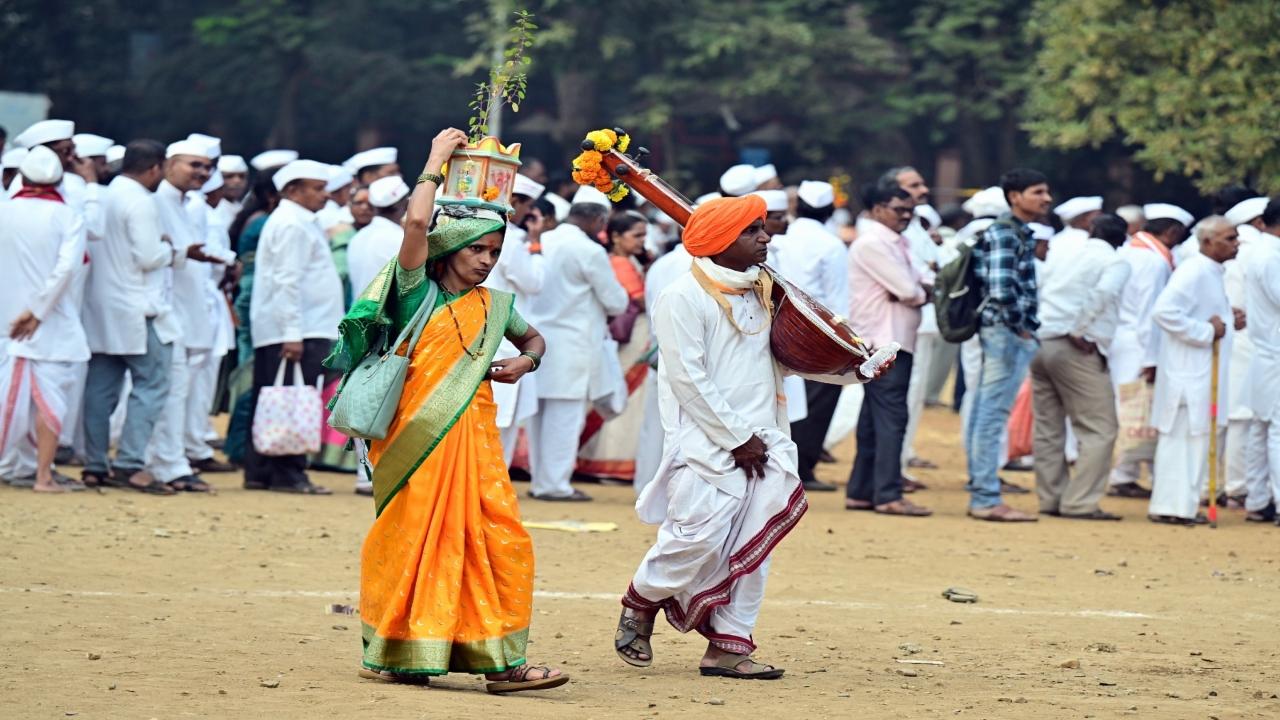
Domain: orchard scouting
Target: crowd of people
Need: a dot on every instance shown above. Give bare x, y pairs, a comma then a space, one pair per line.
155, 285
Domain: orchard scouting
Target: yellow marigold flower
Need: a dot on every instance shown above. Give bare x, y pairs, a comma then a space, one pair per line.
602, 139
624, 142
490, 193
619, 191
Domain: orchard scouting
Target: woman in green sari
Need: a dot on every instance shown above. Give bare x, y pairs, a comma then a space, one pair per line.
446, 580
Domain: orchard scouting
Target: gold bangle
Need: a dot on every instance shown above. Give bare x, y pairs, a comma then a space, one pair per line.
436, 178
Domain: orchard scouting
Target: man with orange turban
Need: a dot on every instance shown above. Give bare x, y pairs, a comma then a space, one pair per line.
727, 490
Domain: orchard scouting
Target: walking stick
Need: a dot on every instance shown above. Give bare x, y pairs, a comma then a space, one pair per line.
1213, 441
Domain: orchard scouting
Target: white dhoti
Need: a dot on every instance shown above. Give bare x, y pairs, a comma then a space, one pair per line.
1241, 456
516, 403
31, 389
1181, 469
649, 445
708, 567
167, 452
921, 366
72, 434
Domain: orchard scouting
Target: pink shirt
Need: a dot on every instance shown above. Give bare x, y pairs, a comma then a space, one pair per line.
880, 269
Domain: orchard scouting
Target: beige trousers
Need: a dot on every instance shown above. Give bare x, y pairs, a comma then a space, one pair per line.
1067, 383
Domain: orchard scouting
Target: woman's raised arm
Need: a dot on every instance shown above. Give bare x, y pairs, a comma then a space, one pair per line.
413, 250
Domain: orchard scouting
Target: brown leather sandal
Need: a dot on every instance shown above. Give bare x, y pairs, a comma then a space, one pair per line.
633, 634
517, 680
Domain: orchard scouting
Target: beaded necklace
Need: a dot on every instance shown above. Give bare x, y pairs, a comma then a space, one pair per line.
450, 295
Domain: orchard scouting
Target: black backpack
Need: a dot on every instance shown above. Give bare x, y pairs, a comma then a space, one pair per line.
958, 296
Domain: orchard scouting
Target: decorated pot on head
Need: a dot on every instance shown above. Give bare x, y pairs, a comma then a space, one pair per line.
481, 175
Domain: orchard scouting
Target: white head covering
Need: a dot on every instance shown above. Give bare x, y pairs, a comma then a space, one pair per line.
214, 144
213, 183
115, 153
41, 166
1077, 206
387, 191
1246, 210
560, 204
90, 145
188, 147
371, 158
989, 202
1130, 213
12, 159
268, 159
528, 187
232, 164
774, 200
1160, 211
1040, 231
339, 178
300, 170
738, 180
930, 215
588, 194
816, 193
765, 173
703, 198
45, 131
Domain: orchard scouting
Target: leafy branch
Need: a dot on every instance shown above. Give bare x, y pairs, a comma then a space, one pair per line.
508, 81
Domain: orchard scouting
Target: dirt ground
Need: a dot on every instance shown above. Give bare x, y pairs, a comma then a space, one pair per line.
129, 606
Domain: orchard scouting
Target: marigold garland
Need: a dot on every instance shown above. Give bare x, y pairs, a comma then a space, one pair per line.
587, 167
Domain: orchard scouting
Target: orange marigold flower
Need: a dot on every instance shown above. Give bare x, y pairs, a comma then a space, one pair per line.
604, 184
490, 193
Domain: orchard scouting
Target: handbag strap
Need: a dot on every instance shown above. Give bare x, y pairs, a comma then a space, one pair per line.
419, 320
297, 373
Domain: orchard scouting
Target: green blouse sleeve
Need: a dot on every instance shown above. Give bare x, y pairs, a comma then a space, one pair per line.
411, 289
517, 326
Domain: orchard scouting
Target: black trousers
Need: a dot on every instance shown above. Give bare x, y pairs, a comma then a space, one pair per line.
810, 432
280, 470
882, 424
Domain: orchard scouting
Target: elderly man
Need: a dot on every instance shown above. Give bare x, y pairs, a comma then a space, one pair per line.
816, 261
44, 245
1194, 315
888, 293
1005, 265
1137, 341
728, 490
1079, 307
1262, 295
295, 309
376, 243
579, 293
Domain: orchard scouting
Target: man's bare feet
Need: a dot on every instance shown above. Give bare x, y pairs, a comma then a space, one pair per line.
48, 485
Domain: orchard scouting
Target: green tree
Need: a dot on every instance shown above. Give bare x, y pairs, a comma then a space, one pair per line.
1190, 87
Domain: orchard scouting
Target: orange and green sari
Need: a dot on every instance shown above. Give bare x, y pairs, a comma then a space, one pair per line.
446, 579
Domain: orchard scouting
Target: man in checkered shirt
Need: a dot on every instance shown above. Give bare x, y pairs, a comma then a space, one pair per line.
1004, 260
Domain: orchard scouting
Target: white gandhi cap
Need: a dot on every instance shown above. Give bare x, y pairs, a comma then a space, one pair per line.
1077, 206
1161, 211
41, 166
738, 180
816, 193
300, 170
774, 200
45, 131
387, 191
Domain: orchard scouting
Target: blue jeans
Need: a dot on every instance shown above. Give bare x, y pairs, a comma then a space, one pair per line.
150, 377
1005, 360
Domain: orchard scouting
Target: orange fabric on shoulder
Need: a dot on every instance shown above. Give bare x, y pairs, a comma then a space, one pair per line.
715, 224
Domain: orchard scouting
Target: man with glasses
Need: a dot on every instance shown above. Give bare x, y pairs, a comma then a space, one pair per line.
886, 294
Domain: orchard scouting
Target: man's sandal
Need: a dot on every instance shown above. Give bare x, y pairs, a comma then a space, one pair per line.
391, 677
517, 681
633, 634
727, 666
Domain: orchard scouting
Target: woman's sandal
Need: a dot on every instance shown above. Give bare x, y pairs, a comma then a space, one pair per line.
727, 666
392, 677
518, 680
633, 634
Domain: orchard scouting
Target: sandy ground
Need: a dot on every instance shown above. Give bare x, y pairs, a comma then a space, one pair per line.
129, 606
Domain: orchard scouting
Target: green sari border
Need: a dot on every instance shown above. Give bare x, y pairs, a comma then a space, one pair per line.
440, 657
467, 372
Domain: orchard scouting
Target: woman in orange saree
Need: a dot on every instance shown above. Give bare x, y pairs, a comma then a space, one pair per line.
446, 580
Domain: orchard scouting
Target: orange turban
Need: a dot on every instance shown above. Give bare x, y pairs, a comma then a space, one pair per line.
717, 223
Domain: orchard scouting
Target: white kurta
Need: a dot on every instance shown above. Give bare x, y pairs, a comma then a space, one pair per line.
1180, 410
1239, 416
579, 293
128, 275
815, 261
189, 281
1137, 339
369, 250
297, 294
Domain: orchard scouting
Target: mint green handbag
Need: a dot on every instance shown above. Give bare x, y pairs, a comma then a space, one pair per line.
367, 400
